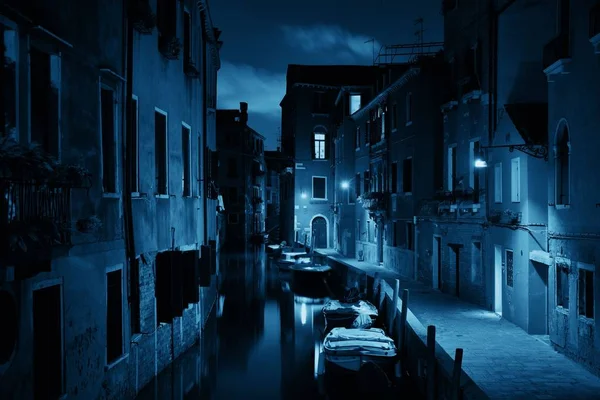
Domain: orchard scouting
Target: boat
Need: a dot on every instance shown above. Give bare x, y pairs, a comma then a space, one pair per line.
288, 258
340, 314
346, 350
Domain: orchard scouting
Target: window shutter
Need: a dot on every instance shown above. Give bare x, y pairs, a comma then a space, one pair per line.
327, 146
191, 293
312, 145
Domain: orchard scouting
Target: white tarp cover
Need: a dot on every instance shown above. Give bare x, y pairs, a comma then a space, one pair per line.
362, 307
311, 268
371, 341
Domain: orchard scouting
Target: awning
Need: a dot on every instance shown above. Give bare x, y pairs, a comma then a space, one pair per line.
531, 121
543, 257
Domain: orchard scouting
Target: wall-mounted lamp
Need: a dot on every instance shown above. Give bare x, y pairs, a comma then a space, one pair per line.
534, 150
345, 185
303, 194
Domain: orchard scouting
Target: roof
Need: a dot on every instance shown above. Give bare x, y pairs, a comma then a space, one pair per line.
531, 121
330, 75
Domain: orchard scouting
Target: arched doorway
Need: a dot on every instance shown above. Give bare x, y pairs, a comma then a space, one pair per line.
319, 230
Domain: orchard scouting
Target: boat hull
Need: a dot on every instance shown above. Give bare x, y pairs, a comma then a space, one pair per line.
351, 363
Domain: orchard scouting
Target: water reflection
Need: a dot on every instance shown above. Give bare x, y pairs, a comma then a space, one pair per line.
262, 340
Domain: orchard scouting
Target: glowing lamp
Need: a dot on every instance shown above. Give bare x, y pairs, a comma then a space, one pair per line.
303, 195
345, 185
480, 163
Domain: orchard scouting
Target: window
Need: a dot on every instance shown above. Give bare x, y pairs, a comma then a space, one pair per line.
161, 151
319, 188
586, 293
409, 108
515, 180
509, 268
44, 97
564, 16
367, 181
451, 179
233, 219
109, 139
114, 315
357, 138
233, 195
498, 183
395, 233
186, 151
319, 103
394, 177
562, 286
355, 103
407, 172
134, 179
232, 170
319, 144
368, 231
8, 77
357, 184
187, 39
166, 17
358, 229
562, 166
367, 133
410, 238
394, 116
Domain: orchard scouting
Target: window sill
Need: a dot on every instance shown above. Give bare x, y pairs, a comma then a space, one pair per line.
562, 206
586, 320
320, 159
135, 194
313, 199
409, 123
113, 364
161, 196
111, 195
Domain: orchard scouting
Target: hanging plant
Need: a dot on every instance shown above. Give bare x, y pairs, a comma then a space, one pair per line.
89, 225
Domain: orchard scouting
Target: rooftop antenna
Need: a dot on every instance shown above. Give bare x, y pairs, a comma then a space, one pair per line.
419, 33
373, 45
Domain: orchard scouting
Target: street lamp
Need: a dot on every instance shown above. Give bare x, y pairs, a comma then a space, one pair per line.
345, 185
539, 151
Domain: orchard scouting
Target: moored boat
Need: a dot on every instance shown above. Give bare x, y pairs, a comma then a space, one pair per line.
289, 258
339, 314
348, 349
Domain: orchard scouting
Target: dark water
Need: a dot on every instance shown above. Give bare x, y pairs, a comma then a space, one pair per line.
261, 342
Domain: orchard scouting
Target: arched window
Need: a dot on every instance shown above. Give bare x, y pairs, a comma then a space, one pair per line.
562, 166
319, 144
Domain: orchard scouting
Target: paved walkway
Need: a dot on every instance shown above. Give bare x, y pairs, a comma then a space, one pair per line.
501, 358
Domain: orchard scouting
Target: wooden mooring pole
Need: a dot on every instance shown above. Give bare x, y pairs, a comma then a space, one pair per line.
431, 362
456, 373
402, 341
393, 311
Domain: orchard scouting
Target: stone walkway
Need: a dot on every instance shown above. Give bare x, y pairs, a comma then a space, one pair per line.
501, 358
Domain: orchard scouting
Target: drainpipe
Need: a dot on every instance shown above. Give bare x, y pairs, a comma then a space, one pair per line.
128, 161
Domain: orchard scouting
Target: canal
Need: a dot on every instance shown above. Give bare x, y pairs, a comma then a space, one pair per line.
260, 342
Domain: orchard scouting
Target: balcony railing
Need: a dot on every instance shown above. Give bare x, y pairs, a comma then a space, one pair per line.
557, 49
374, 202
33, 218
594, 21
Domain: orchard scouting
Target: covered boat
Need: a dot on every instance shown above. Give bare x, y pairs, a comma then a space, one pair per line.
349, 349
340, 314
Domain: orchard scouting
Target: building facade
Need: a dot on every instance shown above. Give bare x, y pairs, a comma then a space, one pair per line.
114, 287
277, 185
570, 60
242, 182
308, 128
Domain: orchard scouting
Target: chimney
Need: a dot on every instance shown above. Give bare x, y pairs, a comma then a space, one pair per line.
243, 113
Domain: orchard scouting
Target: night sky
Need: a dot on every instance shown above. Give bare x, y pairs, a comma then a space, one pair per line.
263, 36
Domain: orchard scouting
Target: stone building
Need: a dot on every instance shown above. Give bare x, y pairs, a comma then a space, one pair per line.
242, 180
308, 128
108, 293
277, 185
570, 59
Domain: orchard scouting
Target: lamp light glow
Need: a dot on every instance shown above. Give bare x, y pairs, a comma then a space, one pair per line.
479, 163
303, 195
345, 185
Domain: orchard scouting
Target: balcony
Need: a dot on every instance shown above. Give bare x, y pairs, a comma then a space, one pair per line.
594, 26
375, 203
33, 219
557, 56
142, 17
169, 46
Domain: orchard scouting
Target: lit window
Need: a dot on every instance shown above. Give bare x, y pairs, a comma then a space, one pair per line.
319, 146
354, 103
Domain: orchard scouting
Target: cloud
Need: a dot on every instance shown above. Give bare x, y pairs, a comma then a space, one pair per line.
261, 89
326, 39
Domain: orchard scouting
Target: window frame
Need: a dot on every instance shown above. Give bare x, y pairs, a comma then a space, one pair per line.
157, 192
103, 85
312, 194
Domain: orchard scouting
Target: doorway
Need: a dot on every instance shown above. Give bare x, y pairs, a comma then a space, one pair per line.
47, 342
538, 298
319, 230
498, 284
436, 263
